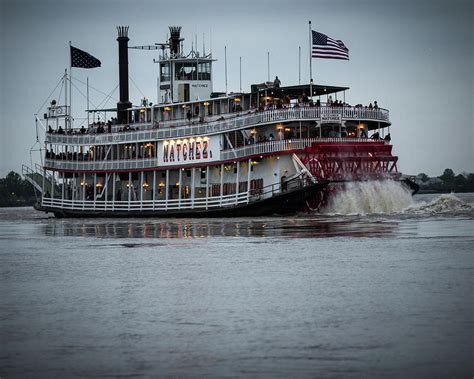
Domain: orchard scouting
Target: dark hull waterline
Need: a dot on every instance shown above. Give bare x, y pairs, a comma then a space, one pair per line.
290, 202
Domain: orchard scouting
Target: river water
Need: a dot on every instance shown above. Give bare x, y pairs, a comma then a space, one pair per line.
378, 285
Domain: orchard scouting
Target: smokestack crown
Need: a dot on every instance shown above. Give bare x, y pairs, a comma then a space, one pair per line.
175, 39
122, 32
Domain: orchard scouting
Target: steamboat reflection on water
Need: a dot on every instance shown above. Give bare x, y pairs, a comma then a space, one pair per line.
304, 227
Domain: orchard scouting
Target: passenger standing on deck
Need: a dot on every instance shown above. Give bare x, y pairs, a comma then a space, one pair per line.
276, 82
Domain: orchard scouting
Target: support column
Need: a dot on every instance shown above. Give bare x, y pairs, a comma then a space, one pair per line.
207, 185
52, 185
44, 189
154, 189
129, 186
62, 186
249, 170
167, 190
73, 187
141, 190
105, 190
113, 191
192, 186
222, 182
180, 182
83, 188
95, 188
237, 183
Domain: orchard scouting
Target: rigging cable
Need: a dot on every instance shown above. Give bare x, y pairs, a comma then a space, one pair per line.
136, 86
95, 89
49, 96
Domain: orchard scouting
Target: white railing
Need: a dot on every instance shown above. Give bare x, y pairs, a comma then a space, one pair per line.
122, 164
284, 145
267, 147
234, 123
212, 202
151, 205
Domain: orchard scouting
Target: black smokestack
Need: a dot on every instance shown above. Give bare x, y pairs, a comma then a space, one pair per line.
124, 102
174, 39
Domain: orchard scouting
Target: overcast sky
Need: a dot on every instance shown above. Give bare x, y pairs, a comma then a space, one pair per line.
414, 57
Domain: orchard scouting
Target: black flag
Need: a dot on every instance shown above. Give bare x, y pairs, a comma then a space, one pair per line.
82, 59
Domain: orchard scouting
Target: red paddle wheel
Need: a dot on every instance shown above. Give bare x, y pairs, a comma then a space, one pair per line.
334, 162
350, 161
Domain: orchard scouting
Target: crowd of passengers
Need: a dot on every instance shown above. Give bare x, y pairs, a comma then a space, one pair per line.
134, 154
101, 127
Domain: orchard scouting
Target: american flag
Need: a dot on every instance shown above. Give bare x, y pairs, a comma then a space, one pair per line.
327, 47
82, 59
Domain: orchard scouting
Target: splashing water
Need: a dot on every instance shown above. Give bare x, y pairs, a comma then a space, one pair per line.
362, 198
447, 203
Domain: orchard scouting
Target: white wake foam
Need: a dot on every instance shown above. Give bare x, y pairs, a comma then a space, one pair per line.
386, 196
446, 203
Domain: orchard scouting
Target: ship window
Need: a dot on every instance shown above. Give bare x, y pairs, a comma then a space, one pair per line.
186, 71
204, 70
164, 72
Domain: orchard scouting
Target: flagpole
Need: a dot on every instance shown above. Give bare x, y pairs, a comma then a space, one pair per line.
65, 99
70, 87
299, 64
310, 63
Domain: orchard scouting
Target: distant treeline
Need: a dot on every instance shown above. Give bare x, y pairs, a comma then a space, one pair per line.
448, 182
15, 191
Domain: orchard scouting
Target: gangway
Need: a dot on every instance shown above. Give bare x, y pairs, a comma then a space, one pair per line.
35, 177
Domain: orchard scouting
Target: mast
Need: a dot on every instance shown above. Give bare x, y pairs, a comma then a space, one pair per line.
310, 63
225, 64
268, 66
299, 64
240, 73
65, 100
70, 87
88, 102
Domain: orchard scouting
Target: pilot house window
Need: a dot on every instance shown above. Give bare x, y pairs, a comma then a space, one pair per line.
164, 73
186, 71
193, 71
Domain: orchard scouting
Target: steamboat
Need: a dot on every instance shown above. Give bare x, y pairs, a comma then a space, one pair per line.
199, 153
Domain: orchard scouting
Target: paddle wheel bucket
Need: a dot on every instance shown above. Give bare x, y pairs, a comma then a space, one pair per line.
351, 161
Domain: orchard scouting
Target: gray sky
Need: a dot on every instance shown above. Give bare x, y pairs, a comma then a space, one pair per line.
414, 57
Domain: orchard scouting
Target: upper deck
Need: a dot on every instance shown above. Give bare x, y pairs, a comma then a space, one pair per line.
211, 125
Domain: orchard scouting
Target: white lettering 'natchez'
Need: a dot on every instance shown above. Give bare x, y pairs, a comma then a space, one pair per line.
188, 151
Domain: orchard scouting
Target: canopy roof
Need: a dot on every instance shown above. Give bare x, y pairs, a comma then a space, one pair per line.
292, 91
299, 90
